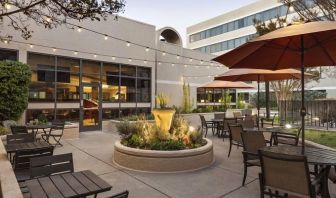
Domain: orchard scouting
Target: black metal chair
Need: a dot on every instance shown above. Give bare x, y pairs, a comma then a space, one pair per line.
224, 127
207, 125
21, 162
234, 134
123, 194
268, 121
56, 132
19, 129
287, 138
286, 175
51, 165
252, 142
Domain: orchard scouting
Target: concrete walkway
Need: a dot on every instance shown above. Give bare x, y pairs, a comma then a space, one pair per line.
94, 151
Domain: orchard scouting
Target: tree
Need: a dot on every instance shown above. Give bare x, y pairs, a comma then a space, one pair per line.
18, 14
14, 81
187, 104
313, 10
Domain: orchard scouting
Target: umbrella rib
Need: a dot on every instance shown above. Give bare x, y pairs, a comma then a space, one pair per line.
324, 49
282, 54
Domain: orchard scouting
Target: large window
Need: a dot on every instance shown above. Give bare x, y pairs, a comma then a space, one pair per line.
143, 84
240, 23
67, 79
6, 54
110, 82
42, 87
128, 84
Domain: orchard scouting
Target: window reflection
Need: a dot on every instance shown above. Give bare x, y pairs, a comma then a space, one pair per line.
6, 54
110, 82
67, 79
42, 87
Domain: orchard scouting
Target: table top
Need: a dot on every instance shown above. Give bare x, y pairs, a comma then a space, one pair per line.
10, 148
316, 156
39, 126
77, 184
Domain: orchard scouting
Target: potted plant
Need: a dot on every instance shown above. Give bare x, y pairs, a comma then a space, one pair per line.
163, 115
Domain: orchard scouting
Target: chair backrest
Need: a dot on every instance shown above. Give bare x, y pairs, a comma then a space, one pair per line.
253, 141
58, 125
22, 158
203, 122
287, 173
235, 130
51, 165
246, 123
237, 114
1, 194
123, 194
19, 129
20, 138
219, 115
228, 121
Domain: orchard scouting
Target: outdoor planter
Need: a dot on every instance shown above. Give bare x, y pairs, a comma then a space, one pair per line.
163, 161
163, 118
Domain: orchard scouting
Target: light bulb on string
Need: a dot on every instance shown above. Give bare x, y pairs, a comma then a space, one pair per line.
75, 52
201, 62
113, 58
128, 44
163, 53
31, 46
177, 57
147, 49
105, 37
129, 60
95, 55
54, 49
145, 61
190, 60
172, 64
79, 29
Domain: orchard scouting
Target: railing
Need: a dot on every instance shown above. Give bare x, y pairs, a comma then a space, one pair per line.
320, 113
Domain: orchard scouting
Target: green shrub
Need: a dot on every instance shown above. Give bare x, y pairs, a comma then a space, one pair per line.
14, 81
125, 129
135, 141
3, 130
42, 119
169, 145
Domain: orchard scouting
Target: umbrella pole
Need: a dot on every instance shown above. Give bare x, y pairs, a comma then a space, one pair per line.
303, 109
258, 103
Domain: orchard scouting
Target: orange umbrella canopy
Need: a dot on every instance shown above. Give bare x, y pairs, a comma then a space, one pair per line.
226, 85
260, 74
282, 48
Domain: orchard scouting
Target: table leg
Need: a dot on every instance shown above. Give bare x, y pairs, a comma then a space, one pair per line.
325, 186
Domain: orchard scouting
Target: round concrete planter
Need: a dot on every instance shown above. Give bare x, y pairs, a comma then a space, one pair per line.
163, 161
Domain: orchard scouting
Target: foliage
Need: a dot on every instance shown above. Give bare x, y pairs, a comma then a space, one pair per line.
187, 104
240, 101
162, 101
52, 13
137, 117
3, 130
262, 100
226, 101
42, 119
168, 145
144, 135
14, 81
310, 95
326, 138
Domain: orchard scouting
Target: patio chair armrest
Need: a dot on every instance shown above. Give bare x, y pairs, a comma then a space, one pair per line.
286, 135
246, 153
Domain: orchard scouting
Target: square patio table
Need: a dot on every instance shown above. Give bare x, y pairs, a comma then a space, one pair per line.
12, 148
77, 184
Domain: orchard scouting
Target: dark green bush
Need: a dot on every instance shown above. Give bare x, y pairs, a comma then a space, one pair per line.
135, 141
169, 145
14, 81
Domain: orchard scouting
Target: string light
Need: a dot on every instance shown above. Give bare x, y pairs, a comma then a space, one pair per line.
54, 49
147, 49
105, 37
75, 52
159, 63
173, 65
8, 6
128, 44
201, 62
163, 53
31, 46
95, 55
130, 60
185, 65
79, 29
145, 61
190, 60
177, 57
113, 58
5, 41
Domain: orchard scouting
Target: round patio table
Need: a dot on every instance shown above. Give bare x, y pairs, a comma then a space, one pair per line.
318, 157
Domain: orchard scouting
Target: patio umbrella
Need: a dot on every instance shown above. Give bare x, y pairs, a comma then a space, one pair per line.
260, 75
226, 85
296, 46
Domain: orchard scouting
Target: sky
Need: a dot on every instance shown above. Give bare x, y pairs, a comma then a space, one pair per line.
178, 14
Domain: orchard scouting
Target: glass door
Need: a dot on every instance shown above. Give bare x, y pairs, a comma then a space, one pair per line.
90, 107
